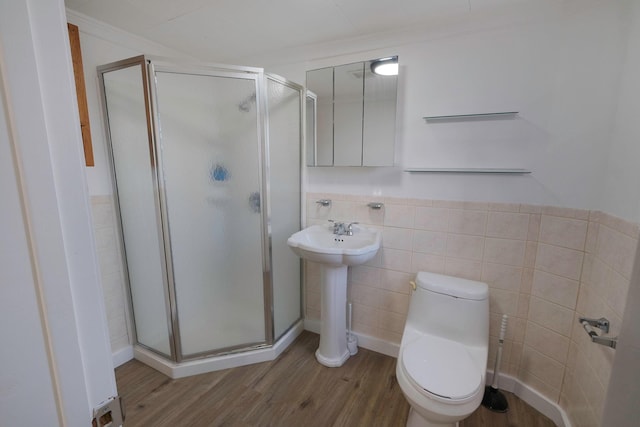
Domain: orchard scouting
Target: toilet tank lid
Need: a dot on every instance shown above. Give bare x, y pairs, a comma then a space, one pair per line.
454, 286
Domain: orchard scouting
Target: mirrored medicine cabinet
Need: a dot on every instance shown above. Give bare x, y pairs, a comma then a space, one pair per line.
351, 115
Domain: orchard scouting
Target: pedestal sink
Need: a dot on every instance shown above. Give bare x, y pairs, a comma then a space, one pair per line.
335, 253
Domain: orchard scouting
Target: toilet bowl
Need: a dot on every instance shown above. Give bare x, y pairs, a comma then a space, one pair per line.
443, 354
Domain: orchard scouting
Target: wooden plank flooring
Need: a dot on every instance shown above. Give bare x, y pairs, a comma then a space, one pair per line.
291, 391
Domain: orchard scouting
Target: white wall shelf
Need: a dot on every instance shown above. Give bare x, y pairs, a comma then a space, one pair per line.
505, 171
478, 116
500, 115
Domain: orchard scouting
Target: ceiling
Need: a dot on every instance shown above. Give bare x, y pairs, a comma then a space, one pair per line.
231, 30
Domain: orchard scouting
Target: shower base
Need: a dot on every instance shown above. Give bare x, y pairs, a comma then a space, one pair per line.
216, 363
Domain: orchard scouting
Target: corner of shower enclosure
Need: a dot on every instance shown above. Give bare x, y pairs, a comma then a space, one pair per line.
197, 200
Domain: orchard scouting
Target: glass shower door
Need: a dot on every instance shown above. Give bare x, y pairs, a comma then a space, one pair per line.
284, 107
210, 149
134, 169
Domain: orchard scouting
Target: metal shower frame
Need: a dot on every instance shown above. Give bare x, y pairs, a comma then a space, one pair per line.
149, 65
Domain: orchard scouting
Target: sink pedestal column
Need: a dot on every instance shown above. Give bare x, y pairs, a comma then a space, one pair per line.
333, 350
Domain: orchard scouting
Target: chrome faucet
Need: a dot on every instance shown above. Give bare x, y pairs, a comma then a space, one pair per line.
341, 229
338, 227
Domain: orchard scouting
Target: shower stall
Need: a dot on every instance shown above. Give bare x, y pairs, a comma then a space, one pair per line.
206, 163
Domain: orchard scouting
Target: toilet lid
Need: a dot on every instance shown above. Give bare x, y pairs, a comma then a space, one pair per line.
441, 367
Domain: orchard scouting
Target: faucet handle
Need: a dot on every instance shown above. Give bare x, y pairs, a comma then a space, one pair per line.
350, 228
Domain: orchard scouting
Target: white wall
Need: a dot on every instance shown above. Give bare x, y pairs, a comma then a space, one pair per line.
102, 44
621, 180
621, 194
558, 64
55, 358
621, 405
560, 71
28, 379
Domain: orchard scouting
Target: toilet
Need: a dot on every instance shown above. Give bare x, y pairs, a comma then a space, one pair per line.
443, 353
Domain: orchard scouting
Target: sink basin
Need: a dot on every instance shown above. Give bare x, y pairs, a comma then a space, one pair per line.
335, 253
318, 244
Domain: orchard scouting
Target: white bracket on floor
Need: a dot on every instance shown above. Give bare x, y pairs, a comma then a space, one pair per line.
109, 413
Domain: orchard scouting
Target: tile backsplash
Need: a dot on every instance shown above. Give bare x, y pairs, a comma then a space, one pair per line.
111, 270
545, 266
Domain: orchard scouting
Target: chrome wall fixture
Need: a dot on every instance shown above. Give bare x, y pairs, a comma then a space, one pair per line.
603, 324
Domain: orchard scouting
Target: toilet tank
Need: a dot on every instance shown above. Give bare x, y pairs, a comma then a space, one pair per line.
450, 307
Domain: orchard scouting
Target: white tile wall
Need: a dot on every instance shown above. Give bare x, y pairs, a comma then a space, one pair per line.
111, 270
609, 252
545, 266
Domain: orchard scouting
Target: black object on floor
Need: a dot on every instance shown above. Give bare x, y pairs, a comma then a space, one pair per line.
494, 400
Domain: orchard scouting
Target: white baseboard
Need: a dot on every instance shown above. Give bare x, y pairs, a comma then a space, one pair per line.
533, 398
216, 363
365, 341
122, 356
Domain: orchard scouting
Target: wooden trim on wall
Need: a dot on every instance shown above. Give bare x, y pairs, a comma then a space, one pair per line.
76, 57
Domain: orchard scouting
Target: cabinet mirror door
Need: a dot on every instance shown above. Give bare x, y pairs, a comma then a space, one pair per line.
355, 116
379, 130
321, 83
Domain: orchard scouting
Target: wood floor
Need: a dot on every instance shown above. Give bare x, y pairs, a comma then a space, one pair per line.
291, 391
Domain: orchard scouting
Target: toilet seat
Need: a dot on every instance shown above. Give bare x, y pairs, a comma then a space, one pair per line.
441, 368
